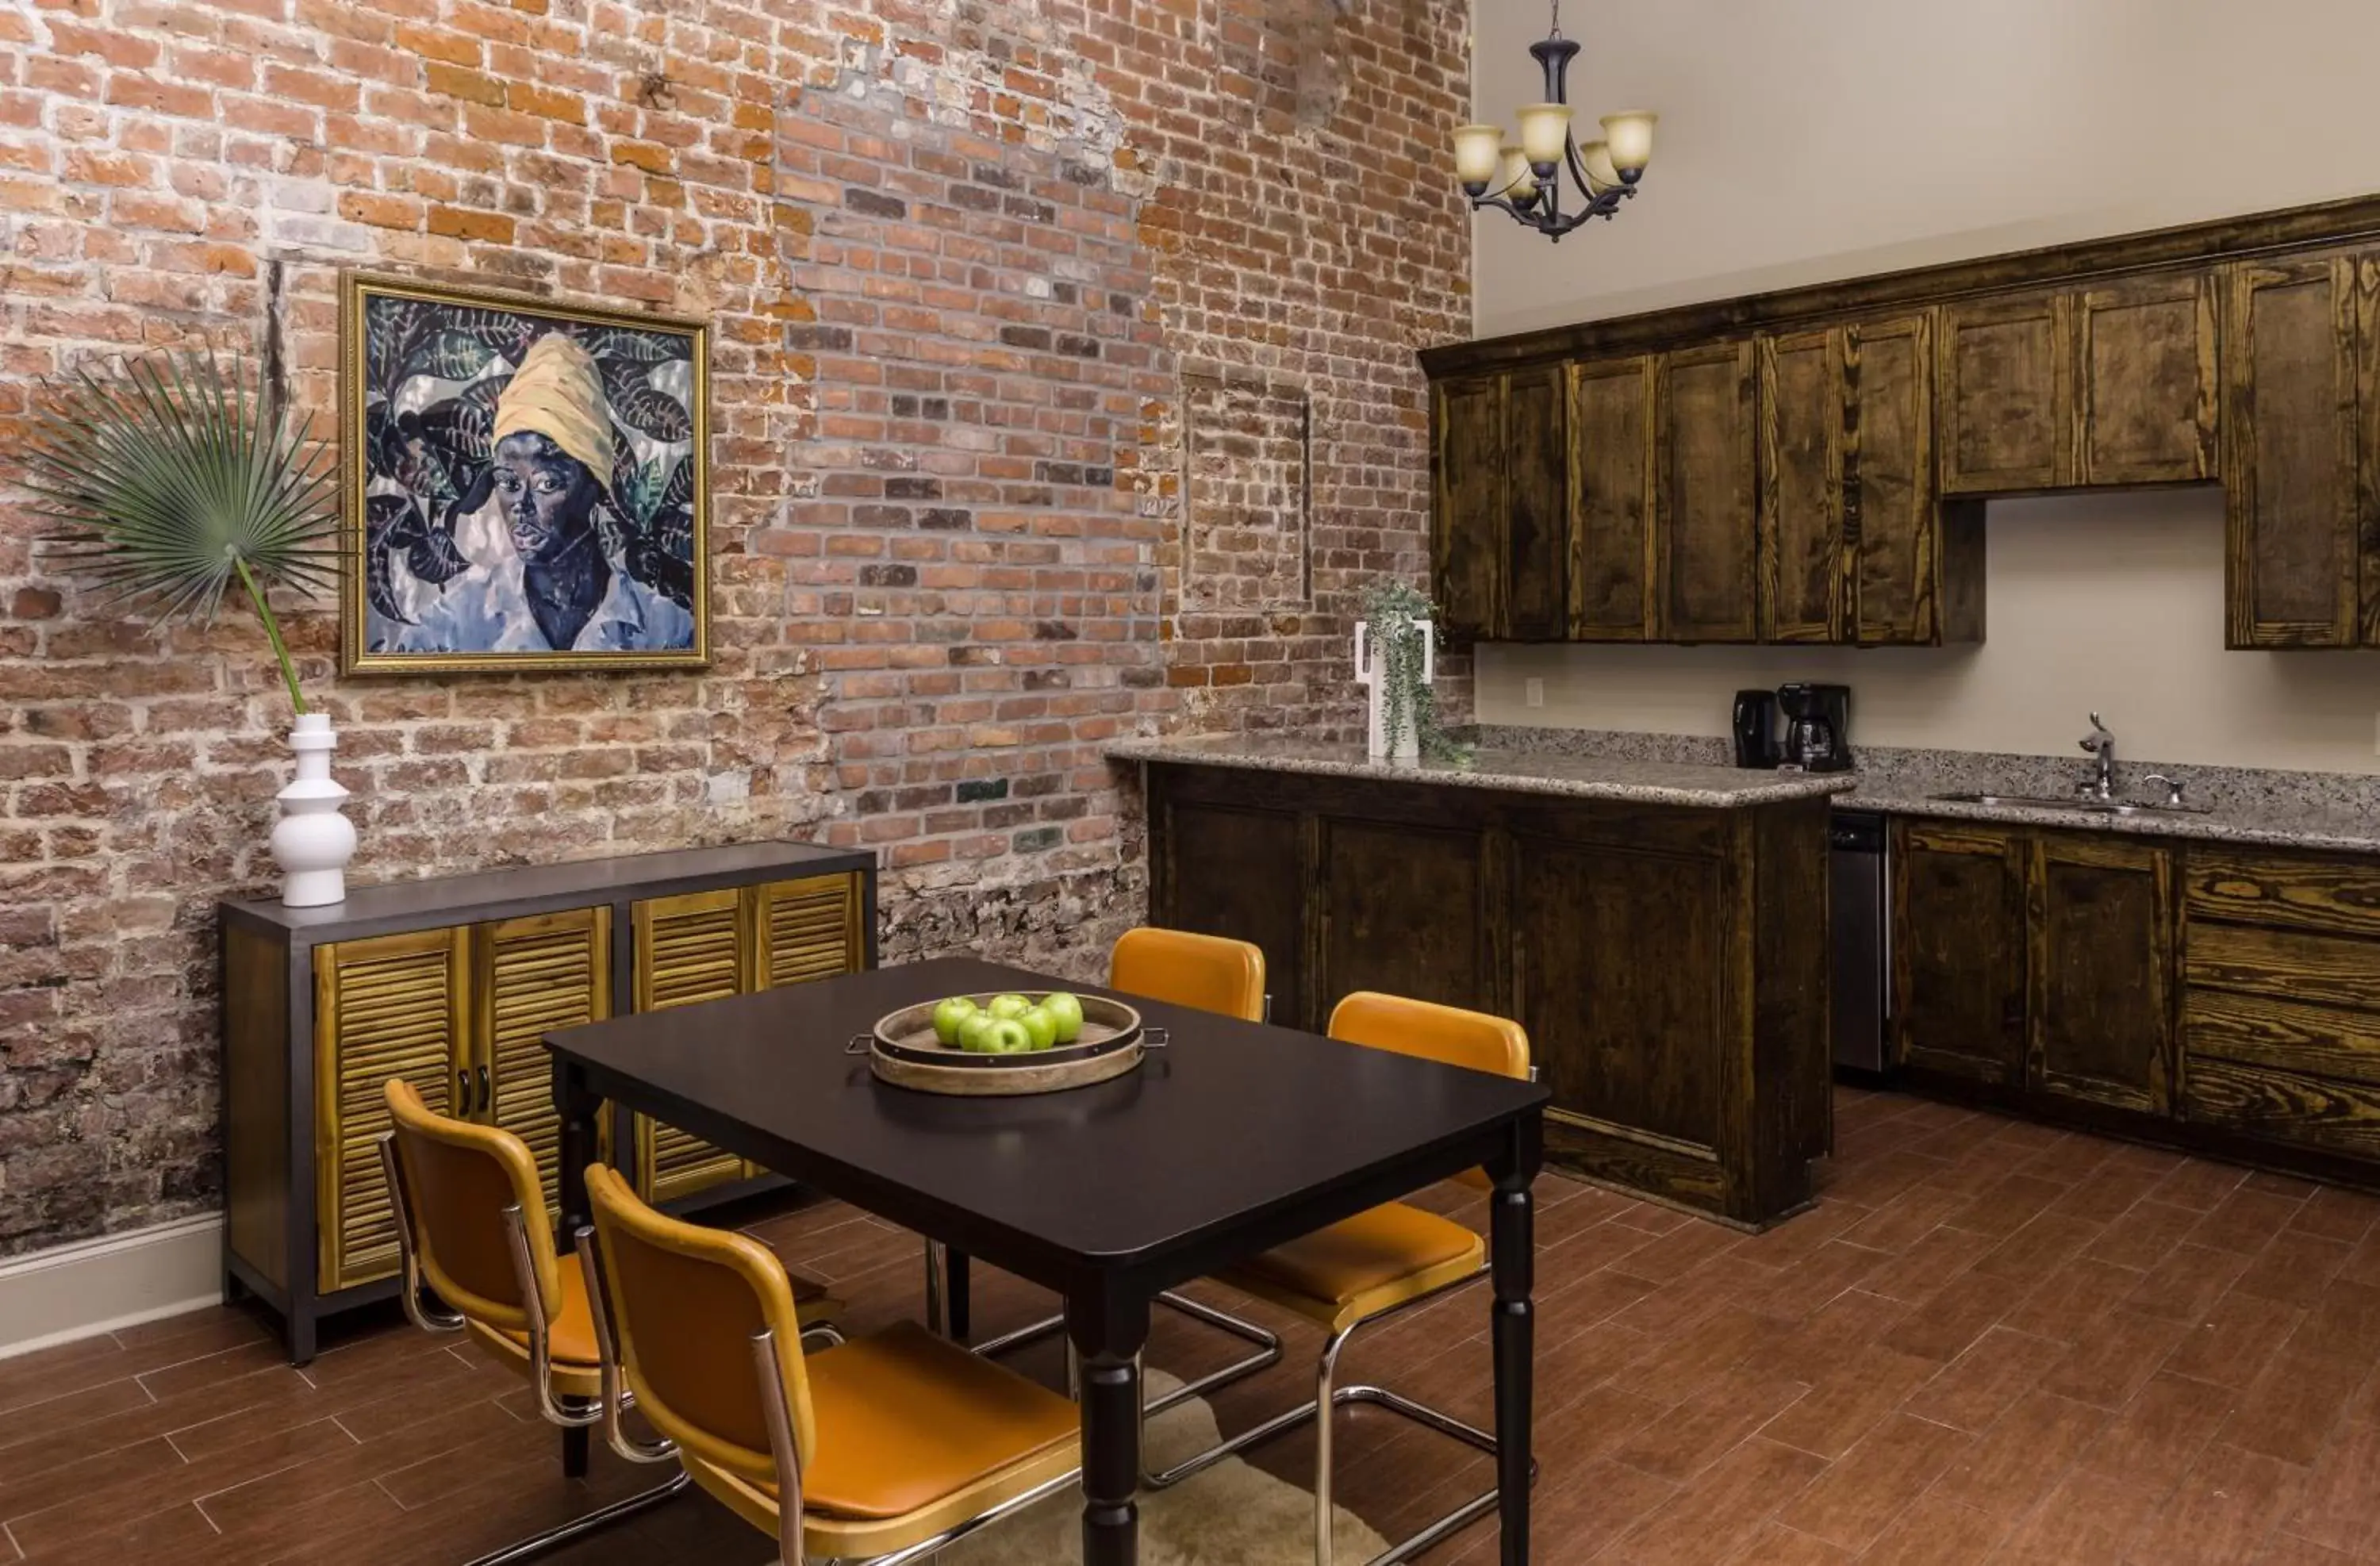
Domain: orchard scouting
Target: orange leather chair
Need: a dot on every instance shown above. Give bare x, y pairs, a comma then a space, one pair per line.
1207, 973
882, 1447
1378, 1263
463, 1194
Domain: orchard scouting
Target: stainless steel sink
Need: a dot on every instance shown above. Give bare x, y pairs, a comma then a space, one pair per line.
2073, 802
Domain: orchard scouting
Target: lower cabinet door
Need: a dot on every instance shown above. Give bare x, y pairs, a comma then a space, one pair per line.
385, 1006
2102, 968
530, 977
688, 949
1959, 950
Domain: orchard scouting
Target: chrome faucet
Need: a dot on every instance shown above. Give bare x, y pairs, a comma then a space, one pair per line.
2101, 743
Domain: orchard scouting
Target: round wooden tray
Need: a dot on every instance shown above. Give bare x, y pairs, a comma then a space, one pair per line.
903, 1051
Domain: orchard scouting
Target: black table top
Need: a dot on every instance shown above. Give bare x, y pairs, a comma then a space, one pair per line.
1229, 1124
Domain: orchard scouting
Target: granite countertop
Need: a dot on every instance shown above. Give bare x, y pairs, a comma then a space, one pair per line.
2275, 823
1632, 780
2333, 811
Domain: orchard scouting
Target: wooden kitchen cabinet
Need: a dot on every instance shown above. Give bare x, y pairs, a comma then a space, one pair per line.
2295, 463
2281, 1015
1664, 959
2100, 386
1467, 522
2035, 961
1806, 543
2144, 382
1959, 950
2006, 389
1501, 539
1707, 493
1614, 563
2101, 954
1855, 545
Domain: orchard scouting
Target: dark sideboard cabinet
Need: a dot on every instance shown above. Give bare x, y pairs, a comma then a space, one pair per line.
1811, 465
452, 984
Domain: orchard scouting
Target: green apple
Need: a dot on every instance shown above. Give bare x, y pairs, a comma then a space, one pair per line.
1011, 1005
1040, 1025
1007, 1036
1067, 1012
948, 1016
974, 1029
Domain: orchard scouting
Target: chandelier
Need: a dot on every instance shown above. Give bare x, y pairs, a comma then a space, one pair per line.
1524, 178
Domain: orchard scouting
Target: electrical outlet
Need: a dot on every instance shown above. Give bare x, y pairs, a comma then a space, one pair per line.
1533, 692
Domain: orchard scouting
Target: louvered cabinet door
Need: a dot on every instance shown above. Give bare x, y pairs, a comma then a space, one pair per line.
530, 977
689, 949
386, 1006
805, 930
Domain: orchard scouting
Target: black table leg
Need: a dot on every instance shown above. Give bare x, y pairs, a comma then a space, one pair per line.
955, 1306
1513, 1245
1109, 1329
577, 1106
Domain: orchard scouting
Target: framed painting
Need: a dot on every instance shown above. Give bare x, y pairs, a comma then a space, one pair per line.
527, 484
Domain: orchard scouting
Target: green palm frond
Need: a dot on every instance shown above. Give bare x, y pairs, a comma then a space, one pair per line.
171, 483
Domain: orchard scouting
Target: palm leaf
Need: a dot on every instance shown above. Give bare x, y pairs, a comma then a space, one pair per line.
172, 484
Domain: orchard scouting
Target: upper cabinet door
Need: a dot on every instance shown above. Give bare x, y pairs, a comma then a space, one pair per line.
1536, 506
2006, 370
2145, 379
2289, 440
1613, 565
1804, 536
1707, 493
811, 929
1919, 581
1467, 536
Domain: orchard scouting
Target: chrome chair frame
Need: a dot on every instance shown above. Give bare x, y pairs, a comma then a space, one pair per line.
1328, 1395
1268, 1344
566, 1412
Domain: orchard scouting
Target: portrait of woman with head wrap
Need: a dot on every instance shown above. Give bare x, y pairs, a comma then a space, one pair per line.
529, 493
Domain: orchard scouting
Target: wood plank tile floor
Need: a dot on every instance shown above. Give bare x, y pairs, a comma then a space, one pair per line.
1991, 1341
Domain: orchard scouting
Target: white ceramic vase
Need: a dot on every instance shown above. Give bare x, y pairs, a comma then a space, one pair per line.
1372, 673
313, 842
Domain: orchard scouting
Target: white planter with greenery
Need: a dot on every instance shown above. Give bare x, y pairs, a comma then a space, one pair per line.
172, 483
1396, 660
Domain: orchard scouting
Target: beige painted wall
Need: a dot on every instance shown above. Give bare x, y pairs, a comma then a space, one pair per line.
1808, 139
2112, 602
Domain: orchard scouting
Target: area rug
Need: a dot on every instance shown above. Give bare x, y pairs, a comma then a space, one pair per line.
1231, 1515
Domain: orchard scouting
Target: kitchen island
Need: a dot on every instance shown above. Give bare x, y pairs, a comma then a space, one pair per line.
1660, 929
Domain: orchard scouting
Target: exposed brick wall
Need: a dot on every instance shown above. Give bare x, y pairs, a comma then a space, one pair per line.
990, 280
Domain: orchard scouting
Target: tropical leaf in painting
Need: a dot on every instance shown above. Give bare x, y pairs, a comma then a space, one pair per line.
638, 347
454, 356
173, 484
392, 328
653, 413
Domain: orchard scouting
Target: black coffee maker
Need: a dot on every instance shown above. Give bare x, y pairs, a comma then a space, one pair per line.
1817, 726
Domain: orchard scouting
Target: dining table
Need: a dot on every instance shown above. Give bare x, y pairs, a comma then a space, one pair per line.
1233, 1137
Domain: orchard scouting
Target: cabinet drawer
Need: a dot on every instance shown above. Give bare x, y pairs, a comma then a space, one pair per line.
2282, 1034
2288, 965
2340, 895
2280, 1106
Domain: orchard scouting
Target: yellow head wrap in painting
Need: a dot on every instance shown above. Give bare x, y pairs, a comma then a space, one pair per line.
558, 393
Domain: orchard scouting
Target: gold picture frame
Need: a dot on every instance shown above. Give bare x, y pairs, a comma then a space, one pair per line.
590, 527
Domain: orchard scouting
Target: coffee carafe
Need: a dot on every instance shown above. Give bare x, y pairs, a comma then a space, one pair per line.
1817, 726
1756, 728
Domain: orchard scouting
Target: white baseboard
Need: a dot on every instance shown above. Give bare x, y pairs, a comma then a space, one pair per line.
94, 1286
